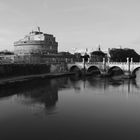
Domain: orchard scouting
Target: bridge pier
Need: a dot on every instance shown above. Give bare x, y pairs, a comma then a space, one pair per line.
128, 75
104, 74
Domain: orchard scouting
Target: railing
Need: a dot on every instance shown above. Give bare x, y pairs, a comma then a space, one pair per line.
96, 63
118, 63
135, 63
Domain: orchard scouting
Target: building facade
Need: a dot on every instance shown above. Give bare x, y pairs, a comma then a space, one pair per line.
36, 42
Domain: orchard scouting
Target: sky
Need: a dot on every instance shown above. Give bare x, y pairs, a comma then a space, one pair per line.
77, 24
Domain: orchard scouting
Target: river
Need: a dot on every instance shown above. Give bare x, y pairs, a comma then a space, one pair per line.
71, 108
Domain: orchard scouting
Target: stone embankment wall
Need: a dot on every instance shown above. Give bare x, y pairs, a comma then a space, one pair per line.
58, 68
13, 70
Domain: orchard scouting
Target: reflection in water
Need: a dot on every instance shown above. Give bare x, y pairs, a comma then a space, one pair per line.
137, 79
39, 91
128, 85
46, 91
98, 111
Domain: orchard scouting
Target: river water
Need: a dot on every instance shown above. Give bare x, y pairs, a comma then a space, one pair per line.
70, 108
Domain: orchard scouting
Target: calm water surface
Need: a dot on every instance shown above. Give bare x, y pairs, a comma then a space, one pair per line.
71, 109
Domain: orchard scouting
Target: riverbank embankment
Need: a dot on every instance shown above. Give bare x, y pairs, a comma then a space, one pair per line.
13, 73
24, 78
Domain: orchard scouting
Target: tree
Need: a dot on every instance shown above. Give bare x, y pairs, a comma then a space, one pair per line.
86, 57
120, 55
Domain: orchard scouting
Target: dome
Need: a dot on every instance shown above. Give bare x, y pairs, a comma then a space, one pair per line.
98, 53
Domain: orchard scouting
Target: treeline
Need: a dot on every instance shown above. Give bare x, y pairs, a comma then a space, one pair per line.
120, 55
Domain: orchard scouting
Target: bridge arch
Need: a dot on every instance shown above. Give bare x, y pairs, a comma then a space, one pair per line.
75, 69
115, 70
93, 70
135, 70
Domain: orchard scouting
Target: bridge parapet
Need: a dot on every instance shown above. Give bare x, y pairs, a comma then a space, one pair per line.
135, 63
117, 63
96, 63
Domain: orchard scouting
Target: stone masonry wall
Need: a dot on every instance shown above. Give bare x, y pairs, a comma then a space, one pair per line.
11, 70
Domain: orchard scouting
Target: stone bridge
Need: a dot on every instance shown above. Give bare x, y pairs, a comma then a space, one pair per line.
128, 68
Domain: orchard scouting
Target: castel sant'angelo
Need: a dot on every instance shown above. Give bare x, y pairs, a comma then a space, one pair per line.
38, 47
36, 42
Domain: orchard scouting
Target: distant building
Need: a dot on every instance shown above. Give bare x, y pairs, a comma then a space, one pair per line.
37, 47
6, 57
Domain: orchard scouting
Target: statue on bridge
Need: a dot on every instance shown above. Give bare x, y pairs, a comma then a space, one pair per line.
85, 57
